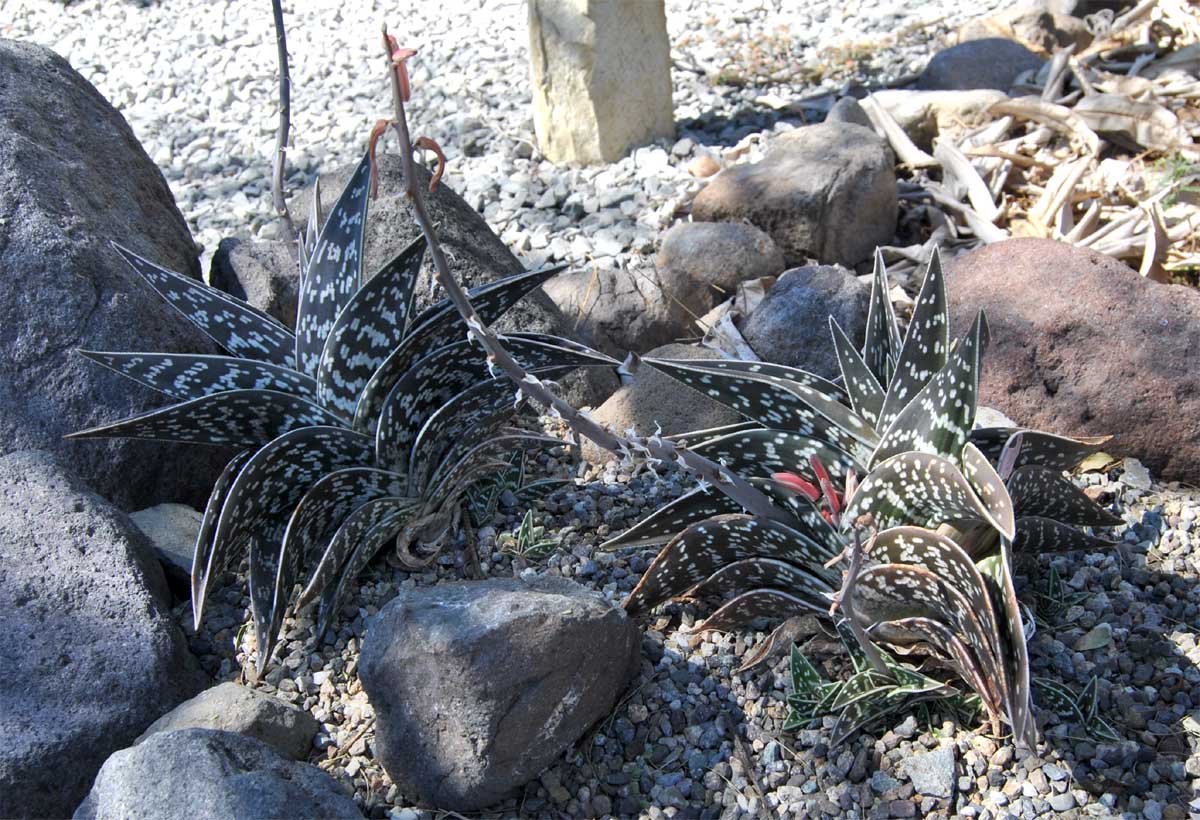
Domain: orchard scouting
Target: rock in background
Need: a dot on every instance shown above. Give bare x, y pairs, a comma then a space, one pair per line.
264, 273
203, 774
1083, 345
825, 191
991, 62
601, 77
700, 264
73, 178
479, 686
93, 655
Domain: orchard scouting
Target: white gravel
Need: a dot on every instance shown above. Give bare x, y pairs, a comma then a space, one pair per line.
196, 80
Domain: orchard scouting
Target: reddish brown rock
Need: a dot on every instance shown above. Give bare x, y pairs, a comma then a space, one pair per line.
1083, 345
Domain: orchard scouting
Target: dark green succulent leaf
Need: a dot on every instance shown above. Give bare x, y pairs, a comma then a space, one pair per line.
369, 328
240, 418
854, 648
775, 373
313, 522
450, 476
242, 330
866, 396
808, 518
207, 564
758, 453
864, 684
760, 603
436, 328
703, 548
806, 681
693, 436
926, 345
1059, 699
942, 639
187, 376
777, 404
997, 574
268, 488
882, 342
1045, 449
335, 270
988, 486
1041, 491
767, 573
939, 417
445, 373
361, 535
926, 490
1038, 536
662, 524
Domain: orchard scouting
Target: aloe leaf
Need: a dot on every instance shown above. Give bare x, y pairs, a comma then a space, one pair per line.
925, 490
939, 417
367, 329
1045, 449
1041, 491
988, 486
766, 573
361, 535
1053, 695
1039, 536
866, 396
191, 376
939, 636
762, 452
266, 491
882, 343
241, 418
335, 270
775, 373
703, 548
240, 329
806, 681
926, 345
761, 603
1015, 657
206, 562
808, 518
445, 373
326, 504
436, 329
452, 475
778, 405
662, 524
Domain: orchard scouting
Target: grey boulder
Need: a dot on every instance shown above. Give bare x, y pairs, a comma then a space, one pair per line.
72, 179
232, 707
204, 773
825, 191
791, 324
263, 272
93, 656
479, 686
700, 264
990, 62
172, 529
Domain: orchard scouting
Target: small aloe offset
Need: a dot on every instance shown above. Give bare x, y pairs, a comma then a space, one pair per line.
365, 426
887, 463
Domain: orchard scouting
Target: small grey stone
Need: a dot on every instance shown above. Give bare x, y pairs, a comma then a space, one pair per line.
931, 773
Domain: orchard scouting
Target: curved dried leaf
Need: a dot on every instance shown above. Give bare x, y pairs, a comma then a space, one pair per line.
242, 330
942, 639
241, 418
369, 328
191, 376
335, 269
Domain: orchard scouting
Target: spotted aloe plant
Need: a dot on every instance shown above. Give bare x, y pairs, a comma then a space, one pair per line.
364, 426
939, 510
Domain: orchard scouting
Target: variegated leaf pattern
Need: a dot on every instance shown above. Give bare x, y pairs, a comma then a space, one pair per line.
438, 327
808, 518
997, 575
779, 373
369, 328
882, 342
939, 417
1038, 536
923, 489
762, 452
662, 524
241, 418
866, 395
767, 573
453, 474
314, 520
206, 562
704, 548
240, 329
1040, 491
779, 406
335, 270
1045, 449
362, 535
435, 380
942, 639
926, 344
191, 376
759, 603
